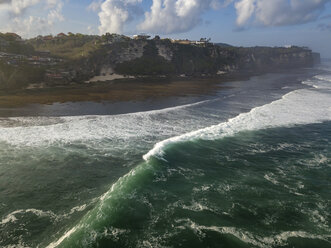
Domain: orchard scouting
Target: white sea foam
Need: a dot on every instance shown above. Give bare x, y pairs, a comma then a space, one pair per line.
10, 218
271, 178
66, 235
194, 206
320, 82
316, 161
325, 77
13, 216
247, 237
35, 131
20, 245
298, 107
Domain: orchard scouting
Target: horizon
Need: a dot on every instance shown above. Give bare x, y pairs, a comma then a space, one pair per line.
236, 22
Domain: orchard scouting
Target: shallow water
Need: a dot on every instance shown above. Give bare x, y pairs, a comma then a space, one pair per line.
247, 167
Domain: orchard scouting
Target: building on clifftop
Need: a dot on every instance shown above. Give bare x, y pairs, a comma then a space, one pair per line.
141, 37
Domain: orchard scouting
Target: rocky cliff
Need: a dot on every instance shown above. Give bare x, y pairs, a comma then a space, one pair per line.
162, 57
78, 58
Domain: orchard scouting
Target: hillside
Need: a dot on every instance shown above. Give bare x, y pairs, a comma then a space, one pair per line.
68, 58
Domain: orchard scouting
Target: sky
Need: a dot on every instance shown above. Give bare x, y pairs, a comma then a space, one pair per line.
236, 22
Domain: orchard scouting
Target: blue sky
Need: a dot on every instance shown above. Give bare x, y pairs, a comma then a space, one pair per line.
237, 22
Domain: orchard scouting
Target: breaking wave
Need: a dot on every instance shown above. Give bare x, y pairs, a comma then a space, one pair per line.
36, 131
299, 107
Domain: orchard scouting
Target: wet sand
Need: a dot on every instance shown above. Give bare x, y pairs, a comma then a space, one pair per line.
120, 96
112, 92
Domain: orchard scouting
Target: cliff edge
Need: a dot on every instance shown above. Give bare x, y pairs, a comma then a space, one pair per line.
77, 58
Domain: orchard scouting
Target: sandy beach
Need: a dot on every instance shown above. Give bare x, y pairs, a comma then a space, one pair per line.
108, 77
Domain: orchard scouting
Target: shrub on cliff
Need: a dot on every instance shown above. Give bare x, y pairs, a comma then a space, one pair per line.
19, 77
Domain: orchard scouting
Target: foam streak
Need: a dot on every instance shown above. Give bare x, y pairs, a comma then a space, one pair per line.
295, 108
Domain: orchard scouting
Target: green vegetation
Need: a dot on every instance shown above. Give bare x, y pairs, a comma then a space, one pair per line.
73, 46
12, 43
77, 58
13, 77
191, 60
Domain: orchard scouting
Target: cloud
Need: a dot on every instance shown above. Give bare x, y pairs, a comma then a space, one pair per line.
115, 14
245, 10
95, 5
22, 22
176, 16
324, 27
55, 14
164, 16
17, 7
278, 12
27, 25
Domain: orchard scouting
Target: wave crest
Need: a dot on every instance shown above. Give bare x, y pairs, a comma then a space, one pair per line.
295, 108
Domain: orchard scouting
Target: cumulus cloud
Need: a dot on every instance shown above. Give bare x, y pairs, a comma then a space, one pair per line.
164, 16
278, 12
114, 14
176, 16
17, 7
19, 20
95, 5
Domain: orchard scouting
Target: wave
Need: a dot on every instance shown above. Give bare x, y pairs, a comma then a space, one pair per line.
12, 217
320, 82
248, 238
298, 107
326, 67
165, 110
102, 214
36, 131
46, 121
325, 77
295, 108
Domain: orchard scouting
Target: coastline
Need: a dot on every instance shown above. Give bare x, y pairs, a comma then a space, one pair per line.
118, 94
118, 90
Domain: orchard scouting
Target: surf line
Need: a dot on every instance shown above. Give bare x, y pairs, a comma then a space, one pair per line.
294, 108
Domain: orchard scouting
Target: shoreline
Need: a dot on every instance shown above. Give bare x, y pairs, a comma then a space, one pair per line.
124, 90
118, 90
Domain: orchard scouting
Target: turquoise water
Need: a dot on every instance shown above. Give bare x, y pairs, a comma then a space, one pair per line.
247, 167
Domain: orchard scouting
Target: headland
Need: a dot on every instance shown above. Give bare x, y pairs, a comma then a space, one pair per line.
76, 67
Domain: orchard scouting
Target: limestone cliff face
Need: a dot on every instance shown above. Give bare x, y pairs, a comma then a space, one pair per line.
161, 57
271, 59
165, 51
316, 58
87, 56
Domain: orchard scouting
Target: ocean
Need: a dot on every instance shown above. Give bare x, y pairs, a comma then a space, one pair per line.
248, 166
